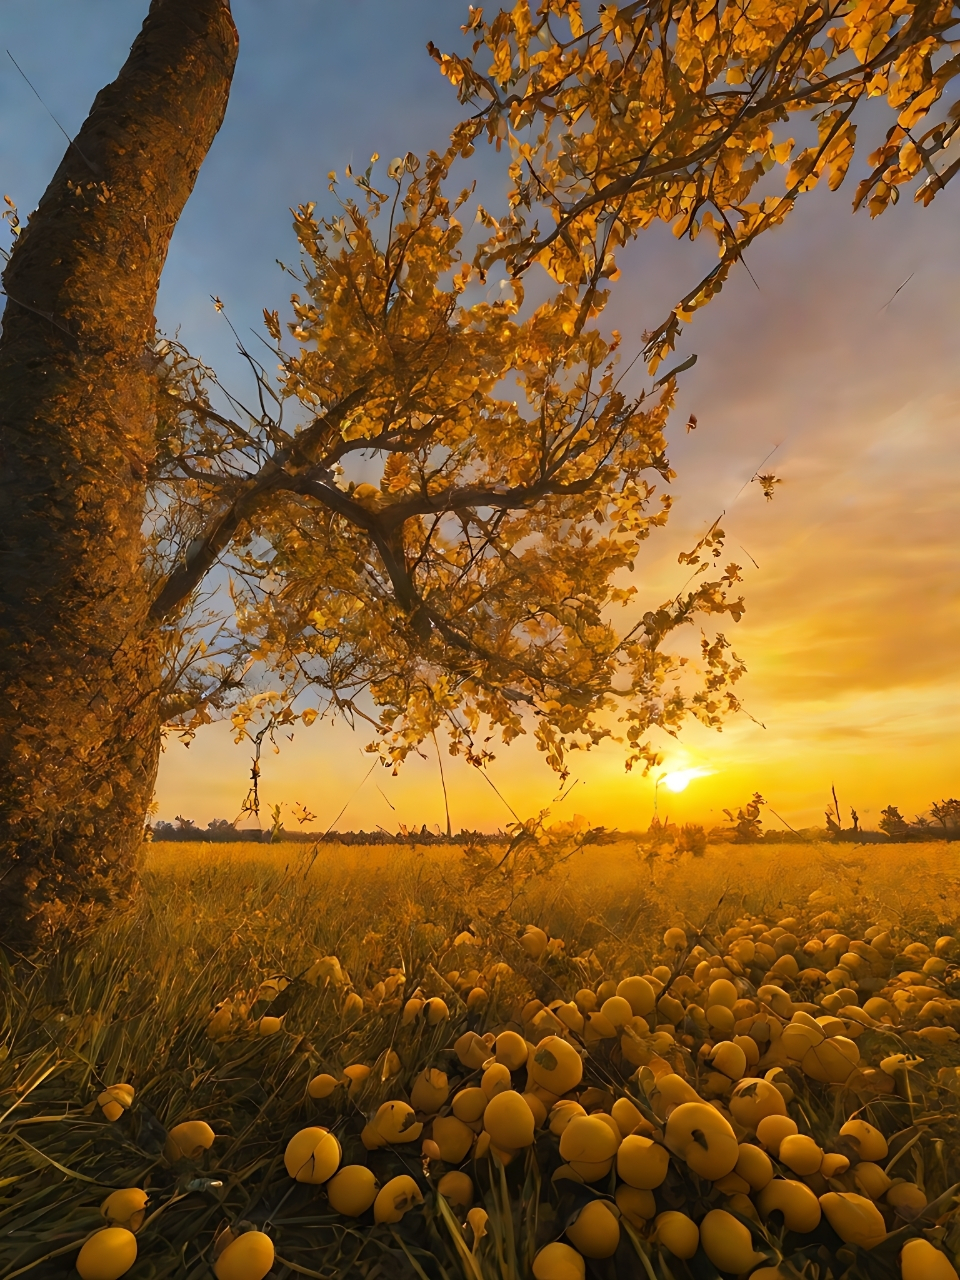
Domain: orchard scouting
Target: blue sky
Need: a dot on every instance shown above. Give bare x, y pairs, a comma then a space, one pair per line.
853, 622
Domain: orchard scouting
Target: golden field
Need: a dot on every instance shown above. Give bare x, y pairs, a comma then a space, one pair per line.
409, 983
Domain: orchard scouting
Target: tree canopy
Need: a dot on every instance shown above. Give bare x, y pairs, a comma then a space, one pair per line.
469, 579
682, 113
449, 525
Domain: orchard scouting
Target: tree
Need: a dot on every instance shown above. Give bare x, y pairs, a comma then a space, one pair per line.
79, 655
747, 820
677, 112
893, 823
471, 585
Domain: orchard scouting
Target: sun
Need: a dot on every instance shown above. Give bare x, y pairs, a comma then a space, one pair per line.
680, 779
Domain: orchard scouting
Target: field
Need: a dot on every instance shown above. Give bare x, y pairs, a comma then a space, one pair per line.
244, 972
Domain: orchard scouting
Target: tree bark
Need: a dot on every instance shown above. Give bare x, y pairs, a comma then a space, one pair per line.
79, 654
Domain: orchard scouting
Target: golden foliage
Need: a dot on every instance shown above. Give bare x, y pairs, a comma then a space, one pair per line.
676, 113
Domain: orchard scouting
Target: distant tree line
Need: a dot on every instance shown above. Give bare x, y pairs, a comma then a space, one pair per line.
222, 831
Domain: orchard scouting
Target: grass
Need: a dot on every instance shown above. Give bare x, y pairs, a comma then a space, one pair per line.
214, 921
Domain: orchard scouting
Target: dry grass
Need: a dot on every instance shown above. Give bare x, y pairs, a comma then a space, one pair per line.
214, 920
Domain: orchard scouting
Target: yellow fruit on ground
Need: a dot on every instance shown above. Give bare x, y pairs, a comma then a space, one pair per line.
800, 1153
356, 1076
190, 1139
457, 1188
671, 1090
562, 1112
729, 1059
675, 939
587, 1139
555, 1065
636, 1205
754, 1166
397, 1122
833, 1164
312, 1156
744, 1206
395, 1198
772, 1130
698, 1134
509, 1121
321, 1086
586, 1002
678, 1233
831, 1062
125, 1208
855, 1219
352, 1190
722, 992
752, 1100
871, 1179
720, 1018
495, 1079
626, 1115
115, 1099
919, 1260
798, 1204
534, 941
471, 1050
511, 1050
907, 1199
430, 1091
454, 1138
596, 1230
411, 1011
249, 1257
436, 1011
617, 1010
639, 994
371, 1137
641, 1162
558, 1261
727, 1242
535, 1103
108, 1254
868, 1142
470, 1104
269, 1026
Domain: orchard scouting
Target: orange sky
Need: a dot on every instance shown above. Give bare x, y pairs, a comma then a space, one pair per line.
851, 635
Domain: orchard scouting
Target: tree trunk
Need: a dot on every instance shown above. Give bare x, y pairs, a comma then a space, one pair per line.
79, 656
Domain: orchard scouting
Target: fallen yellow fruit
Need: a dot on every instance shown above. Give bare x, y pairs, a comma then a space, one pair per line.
558, 1261
190, 1139
596, 1231
727, 1242
249, 1257
509, 1121
395, 1198
352, 1190
855, 1219
678, 1233
108, 1254
125, 1208
312, 1156
919, 1260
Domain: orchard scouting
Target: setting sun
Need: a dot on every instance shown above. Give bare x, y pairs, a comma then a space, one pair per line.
680, 779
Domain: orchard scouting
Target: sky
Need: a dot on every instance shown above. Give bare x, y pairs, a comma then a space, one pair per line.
840, 355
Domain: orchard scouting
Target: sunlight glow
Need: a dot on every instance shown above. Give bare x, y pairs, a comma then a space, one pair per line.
680, 779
